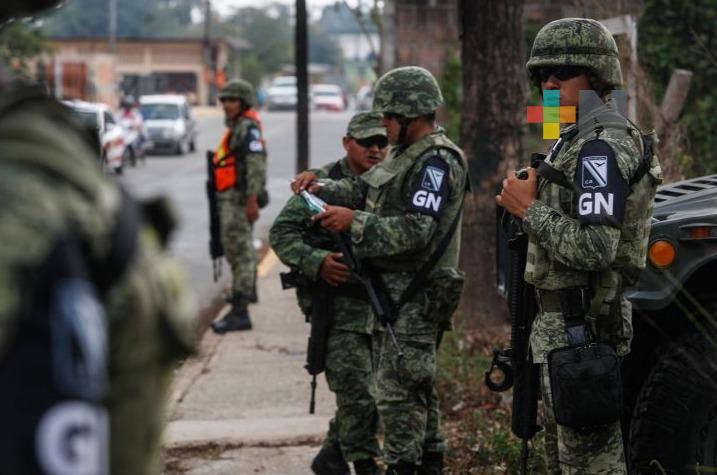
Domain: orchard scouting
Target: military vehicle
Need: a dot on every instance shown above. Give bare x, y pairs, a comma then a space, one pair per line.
670, 376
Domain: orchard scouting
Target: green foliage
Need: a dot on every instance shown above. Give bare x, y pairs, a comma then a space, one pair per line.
135, 18
683, 34
20, 41
252, 69
451, 87
322, 48
270, 34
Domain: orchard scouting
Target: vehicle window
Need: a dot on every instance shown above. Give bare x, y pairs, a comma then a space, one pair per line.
109, 119
186, 114
87, 118
159, 111
326, 94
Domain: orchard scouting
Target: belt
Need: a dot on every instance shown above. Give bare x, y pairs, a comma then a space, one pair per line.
354, 291
571, 303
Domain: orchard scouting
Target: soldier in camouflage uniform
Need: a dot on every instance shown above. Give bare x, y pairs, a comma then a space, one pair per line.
305, 246
589, 234
411, 205
93, 314
240, 178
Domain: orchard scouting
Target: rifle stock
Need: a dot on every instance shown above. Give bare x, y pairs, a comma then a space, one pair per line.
216, 250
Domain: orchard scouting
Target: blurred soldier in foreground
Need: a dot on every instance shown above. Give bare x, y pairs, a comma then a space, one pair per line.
311, 252
239, 166
403, 217
586, 210
93, 314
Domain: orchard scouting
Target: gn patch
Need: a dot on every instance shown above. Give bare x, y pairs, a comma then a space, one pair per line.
602, 191
254, 142
429, 192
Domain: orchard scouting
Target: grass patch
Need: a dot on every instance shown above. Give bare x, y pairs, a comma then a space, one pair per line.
476, 421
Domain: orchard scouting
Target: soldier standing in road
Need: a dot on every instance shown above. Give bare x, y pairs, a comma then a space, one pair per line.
93, 314
403, 217
587, 216
308, 248
240, 179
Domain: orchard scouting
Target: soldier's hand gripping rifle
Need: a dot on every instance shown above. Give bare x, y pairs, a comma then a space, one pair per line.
378, 297
514, 366
216, 251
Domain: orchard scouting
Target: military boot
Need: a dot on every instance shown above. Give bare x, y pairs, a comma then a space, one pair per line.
401, 468
330, 461
431, 464
366, 467
237, 319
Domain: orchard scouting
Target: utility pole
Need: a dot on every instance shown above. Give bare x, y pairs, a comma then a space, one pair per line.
112, 27
302, 88
207, 53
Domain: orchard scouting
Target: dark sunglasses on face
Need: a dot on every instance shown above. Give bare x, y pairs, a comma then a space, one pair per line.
391, 115
369, 142
561, 73
229, 99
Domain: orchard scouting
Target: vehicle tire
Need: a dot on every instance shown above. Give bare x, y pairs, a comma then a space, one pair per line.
192, 146
180, 148
129, 157
674, 423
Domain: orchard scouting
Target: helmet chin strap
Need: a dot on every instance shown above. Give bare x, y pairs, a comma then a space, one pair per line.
405, 122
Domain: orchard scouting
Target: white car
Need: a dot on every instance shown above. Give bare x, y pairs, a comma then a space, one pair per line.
282, 94
99, 118
328, 97
168, 122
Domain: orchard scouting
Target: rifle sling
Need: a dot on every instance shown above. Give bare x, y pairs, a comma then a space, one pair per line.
419, 281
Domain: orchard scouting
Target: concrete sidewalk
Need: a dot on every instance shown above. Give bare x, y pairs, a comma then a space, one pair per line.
241, 406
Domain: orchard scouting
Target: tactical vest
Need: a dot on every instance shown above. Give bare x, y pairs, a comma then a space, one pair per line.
388, 195
557, 190
230, 167
53, 373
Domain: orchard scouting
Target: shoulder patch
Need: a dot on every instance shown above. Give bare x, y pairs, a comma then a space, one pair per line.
254, 141
602, 191
431, 188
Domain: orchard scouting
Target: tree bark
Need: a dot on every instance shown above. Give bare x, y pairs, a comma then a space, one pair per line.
494, 101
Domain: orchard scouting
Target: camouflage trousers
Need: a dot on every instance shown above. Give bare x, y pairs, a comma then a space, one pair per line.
237, 240
406, 397
349, 375
572, 452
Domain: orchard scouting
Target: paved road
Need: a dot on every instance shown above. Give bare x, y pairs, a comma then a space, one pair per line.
182, 178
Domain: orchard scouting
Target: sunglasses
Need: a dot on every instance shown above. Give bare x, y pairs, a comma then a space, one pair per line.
391, 115
369, 142
229, 99
561, 73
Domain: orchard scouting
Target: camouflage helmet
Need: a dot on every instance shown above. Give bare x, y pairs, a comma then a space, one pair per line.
365, 124
239, 89
19, 8
577, 42
410, 91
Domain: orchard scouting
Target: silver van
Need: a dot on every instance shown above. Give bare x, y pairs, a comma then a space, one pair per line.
169, 123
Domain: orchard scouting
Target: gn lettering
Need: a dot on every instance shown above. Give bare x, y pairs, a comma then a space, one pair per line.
594, 203
427, 200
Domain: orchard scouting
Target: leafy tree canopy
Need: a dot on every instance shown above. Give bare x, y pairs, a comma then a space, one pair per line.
683, 34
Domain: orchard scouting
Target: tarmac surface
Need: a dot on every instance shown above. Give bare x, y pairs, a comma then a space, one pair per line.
241, 406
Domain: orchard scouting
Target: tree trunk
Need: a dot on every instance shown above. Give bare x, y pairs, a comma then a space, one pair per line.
494, 101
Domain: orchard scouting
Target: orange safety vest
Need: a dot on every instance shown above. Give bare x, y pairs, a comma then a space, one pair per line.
225, 170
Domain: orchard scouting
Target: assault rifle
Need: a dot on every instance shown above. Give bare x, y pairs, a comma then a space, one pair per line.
513, 366
378, 297
216, 251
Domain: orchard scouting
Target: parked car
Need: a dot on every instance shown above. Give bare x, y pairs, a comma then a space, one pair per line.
282, 94
327, 97
364, 98
99, 118
169, 123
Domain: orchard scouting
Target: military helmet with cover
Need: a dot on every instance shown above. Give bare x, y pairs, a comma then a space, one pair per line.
19, 8
409, 91
239, 89
577, 42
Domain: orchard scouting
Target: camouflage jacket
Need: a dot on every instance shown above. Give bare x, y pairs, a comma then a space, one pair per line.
303, 245
50, 188
411, 200
594, 233
248, 145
